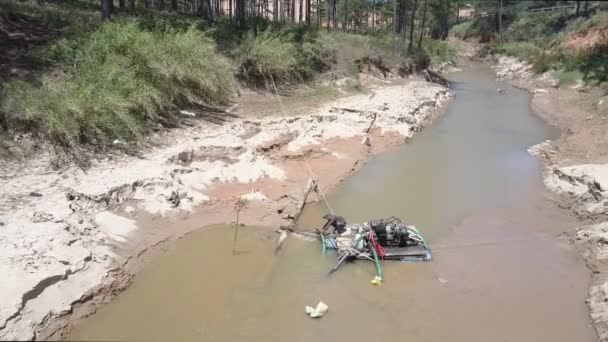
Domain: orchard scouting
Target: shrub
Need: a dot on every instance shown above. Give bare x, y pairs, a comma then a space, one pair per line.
522, 50
567, 77
594, 64
462, 30
419, 59
481, 28
545, 61
269, 55
120, 80
536, 28
440, 51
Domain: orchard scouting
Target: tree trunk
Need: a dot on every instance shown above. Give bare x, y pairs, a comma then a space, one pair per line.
174, 5
318, 13
106, 9
300, 5
308, 12
132, 4
121, 4
373, 14
146, 3
334, 13
412, 19
402, 26
422, 25
500, 20
345, 24
328, 13
240, 13
445, 18
586, 7
394, 16
394, 26
161, 5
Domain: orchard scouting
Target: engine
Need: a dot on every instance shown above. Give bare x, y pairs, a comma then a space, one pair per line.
393, 232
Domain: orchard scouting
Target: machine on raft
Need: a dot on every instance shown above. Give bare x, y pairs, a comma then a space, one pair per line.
375, 240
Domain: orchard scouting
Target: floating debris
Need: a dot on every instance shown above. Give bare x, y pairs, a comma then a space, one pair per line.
318, 311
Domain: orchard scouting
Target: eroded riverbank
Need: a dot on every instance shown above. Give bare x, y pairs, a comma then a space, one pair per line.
73, 239
502, 268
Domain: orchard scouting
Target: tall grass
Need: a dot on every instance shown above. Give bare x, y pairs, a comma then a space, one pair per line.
120, 81
440, 51
537, 29
522, 50
271, 56
481, 28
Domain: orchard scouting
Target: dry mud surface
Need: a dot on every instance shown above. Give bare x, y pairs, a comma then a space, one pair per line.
71, 239
576, 167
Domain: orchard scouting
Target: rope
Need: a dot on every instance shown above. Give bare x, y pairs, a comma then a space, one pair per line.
310, 173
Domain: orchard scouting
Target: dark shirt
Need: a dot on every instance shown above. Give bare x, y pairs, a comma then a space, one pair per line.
338, 222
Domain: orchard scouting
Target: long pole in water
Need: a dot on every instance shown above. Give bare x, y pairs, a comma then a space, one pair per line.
236, 225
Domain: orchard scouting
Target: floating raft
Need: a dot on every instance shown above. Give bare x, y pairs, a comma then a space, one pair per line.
347, 247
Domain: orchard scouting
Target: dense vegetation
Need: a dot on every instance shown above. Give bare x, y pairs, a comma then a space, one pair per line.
547, 40
98, 71
101, 71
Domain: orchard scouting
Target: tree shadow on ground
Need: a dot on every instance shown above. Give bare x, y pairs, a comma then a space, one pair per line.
19, 36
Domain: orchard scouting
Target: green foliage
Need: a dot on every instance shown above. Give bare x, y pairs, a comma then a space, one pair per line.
568, 77
269, 55
79, 16
523, 50
117, 80
543, 62
535, 28
594, 64
120, 81
481, 28
419, 59
462, 30
287, 55
440, 51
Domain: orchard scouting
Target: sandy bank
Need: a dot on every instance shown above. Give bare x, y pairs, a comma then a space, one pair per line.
72, 239
576, 166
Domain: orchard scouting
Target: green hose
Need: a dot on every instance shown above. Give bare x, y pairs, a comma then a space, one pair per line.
378, 265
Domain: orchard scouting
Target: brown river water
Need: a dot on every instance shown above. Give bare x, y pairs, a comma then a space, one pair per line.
502, 268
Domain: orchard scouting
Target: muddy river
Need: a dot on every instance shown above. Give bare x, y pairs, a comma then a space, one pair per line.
502, 270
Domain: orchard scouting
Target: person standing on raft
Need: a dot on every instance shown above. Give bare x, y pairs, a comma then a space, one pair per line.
338, 222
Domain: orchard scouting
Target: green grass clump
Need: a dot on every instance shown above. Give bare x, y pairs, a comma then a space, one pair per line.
535, 28
594, 64
120, 81
567, 77
523, 50
440, 51
481, 28
270, 56
462, 30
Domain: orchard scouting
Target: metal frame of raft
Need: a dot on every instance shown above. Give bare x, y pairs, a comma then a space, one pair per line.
349, 248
